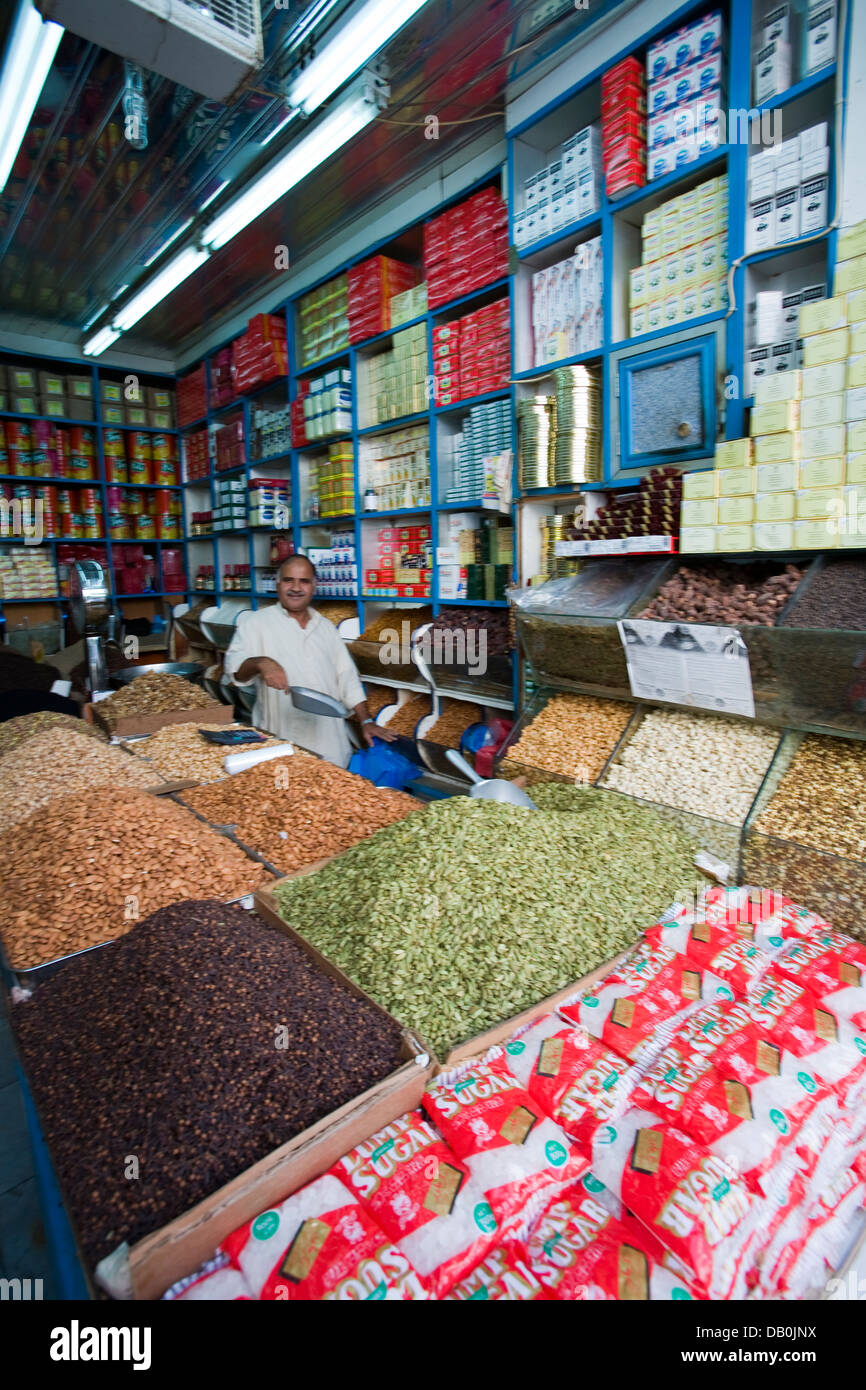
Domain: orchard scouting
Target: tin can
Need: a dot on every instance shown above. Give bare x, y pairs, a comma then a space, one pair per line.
79, 467
72, 526
138, 471
92, 525
138, 445
64, 500
168, 527
119, 528
82, 441
89, 499
116, 470
145, 529
19, 463
19, 435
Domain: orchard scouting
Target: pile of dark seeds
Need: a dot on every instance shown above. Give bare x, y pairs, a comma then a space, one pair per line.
836, 598
20, 672
163, 1047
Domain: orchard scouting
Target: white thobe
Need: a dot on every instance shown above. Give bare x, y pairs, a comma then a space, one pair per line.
313, 656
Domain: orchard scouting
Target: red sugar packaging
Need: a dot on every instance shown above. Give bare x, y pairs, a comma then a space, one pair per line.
521, 1050
509, 1145
622, 1010
424, 1198
689, 1199
503, 1276
320, 1244
833, 967
216, 1282
581, 1251
579, 1082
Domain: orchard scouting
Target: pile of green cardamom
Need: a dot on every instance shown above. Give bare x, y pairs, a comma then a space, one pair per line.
465, 913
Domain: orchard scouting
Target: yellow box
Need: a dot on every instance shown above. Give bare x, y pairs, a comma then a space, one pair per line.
777, 448
816, 535
655, 278
652, 222
736, 511
689, 266
823, 315
855, 469
856, 339
856, 306
853, 540
710, 256
689, 230
819, 504
824, 381
775, 418
737, 482
730, 538
857, 436
637, 286
734, 453
774, 535
851, 242
779, 386
698, 513
850, 275
651, 249
823, 410
852, 527
825, 472
672, 271
774, 506
856, 373
825, 347
655, 314
827, 441
687, 204
670, 238
697, 540
672, 308
700, 487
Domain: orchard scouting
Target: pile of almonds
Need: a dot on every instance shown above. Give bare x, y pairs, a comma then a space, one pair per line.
86, 868
25, 726
294, 811
725, 594
55, 764
392, 620
572, 736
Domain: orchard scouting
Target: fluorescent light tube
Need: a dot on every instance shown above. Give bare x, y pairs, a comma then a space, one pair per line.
355, 42
329, 136
166, 244
97, 314
277, 128
160, 287
213, 196
29, 56
101, 340
308, 21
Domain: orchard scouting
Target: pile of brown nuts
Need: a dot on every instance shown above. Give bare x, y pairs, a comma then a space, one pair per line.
404, 720
392, 620
86, 868
180, 753
55, 764
725, 594
455, 717
197, 1045
378, 696
17, 731
836, 598
294, 811
572, 736
156, 692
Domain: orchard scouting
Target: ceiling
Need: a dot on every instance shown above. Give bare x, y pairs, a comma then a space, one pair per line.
83, 211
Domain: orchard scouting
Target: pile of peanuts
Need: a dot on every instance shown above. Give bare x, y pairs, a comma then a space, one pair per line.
821, 800
180, 753
378, 696
296, 810
392, 620
55, 764
455, 716
86, 868
337, 612
572, 736
699, 763
404, 719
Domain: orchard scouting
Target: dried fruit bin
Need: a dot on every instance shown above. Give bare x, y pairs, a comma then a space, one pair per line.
371, 660
507, 765
828, 882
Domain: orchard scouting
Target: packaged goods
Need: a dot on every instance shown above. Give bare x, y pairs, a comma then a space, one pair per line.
88, 867
579, 1083
179, 752
208, 983
216, 1282
458, 940
424, 1198
57, 762
321, 1244
512, 1150
503, 1276
573, 735
296, 810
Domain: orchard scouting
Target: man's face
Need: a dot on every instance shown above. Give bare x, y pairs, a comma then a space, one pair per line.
295, 586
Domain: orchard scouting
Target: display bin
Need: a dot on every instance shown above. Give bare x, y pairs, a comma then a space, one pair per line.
507, 765
368, 657
129, 726
433, 754
821, 880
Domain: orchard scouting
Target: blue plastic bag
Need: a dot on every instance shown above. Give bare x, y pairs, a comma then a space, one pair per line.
383, 766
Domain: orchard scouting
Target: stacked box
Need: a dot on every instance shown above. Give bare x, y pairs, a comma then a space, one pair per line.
562, 192
335, 481
230, 505
323, 320
297, 417
684, 95
396, 380
486, 431
372, 285
27, 573
269, 503
653, 509
404, 563
229, 443
466, 247
272, 432
775, 331
623, 127
397, 468
472, 355
260, 355
788, 190
408, 305
327, 405
222, 380
684, 259
196, 455
192, 396
336, 567
567, 305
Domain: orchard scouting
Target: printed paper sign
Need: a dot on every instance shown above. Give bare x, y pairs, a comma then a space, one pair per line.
688, 664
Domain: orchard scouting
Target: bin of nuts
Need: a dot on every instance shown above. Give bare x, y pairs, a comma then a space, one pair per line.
444, 729
180, 753
55, 763
701, 771
153, 700
807, 832
382, 648
564, 738
86, 868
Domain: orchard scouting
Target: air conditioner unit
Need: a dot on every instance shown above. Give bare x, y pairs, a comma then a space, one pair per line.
208, 45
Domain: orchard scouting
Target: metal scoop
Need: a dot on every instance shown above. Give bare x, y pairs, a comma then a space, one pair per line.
491, 788
314, 702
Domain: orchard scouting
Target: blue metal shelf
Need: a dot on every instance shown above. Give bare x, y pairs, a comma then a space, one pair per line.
374, 598
773, 252
808, 84
474, 602
669, 182
548, 368
502, 394
567, 233
503, 283
55, 420
395, 424
671, 328
385, 515
327, 521
331, 360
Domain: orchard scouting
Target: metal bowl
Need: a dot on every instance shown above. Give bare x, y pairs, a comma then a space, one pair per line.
190, 670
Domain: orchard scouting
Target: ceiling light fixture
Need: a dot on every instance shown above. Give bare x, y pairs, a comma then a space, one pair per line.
308, 22
212, 197
355, 42
329, 136
32, 46
157, 289
101, 340
166, 244
277, 128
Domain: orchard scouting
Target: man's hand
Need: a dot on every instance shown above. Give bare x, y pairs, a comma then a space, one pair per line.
273, 674
374, 731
